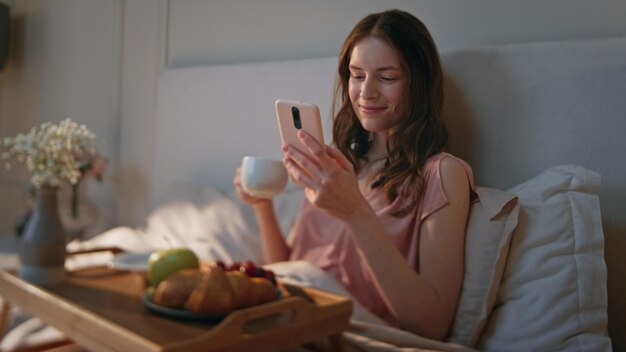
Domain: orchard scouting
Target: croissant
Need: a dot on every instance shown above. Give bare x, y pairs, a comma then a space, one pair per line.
212, 290
175, 290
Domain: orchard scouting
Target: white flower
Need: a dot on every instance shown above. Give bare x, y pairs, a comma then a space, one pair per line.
52, 153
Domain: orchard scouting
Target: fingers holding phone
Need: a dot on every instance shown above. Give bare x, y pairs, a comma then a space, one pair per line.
320, 163
328, 177
303, 168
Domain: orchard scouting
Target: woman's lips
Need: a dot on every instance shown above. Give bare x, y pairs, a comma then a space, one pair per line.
367, 109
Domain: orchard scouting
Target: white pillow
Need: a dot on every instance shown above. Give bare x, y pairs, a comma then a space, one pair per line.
553, 294
491, 222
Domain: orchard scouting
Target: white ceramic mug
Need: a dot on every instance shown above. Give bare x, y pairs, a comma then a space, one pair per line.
263, 177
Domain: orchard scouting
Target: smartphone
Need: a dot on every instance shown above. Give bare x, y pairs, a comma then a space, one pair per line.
294, 116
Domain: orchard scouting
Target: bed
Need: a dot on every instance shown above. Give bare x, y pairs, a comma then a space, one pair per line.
540, 123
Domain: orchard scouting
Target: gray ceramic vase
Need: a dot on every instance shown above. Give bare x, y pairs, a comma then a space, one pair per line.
42, 247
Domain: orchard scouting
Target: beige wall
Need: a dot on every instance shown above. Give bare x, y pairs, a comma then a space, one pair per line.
64, 61
99, 62
227, 31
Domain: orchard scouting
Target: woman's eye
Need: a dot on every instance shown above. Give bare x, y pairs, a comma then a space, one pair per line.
388, 79
357, 76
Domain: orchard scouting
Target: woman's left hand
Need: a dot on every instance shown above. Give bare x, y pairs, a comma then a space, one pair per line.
327, 175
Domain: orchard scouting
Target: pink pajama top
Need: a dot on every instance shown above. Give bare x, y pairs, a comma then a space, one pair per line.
326, 242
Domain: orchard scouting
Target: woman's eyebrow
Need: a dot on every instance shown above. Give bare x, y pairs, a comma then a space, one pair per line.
384, 68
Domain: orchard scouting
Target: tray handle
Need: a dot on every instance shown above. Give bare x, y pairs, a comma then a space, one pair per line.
301, 313
232, 330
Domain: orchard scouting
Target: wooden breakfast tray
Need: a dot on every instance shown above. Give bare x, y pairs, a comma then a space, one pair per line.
102, 309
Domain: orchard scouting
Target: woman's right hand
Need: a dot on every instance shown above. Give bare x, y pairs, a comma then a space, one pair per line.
242, 193
274, 245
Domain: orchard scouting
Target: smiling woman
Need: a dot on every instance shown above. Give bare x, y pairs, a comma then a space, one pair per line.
386, 208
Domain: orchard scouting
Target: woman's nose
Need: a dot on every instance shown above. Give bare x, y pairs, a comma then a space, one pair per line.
369, 89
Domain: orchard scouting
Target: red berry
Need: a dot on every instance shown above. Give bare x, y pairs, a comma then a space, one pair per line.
233, 266
249, 268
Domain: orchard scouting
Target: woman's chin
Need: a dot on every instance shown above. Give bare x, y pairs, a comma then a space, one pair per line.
374, 126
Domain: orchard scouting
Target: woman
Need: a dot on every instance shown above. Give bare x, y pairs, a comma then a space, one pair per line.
385, 209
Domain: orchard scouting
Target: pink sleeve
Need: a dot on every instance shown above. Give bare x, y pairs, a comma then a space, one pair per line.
434, 197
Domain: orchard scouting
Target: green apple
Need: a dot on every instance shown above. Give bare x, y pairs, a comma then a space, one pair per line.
162, 264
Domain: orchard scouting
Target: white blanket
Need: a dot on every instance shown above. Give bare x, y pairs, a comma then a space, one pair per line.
367, 332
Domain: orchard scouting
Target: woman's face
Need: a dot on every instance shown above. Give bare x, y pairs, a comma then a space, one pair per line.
377, 85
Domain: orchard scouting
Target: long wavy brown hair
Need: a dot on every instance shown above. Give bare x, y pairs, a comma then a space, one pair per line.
422, 133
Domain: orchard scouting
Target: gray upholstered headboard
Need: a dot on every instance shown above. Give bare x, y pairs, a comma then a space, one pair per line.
513, 111
516, 110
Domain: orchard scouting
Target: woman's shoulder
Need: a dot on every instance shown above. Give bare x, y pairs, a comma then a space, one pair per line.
443, 168
444, 165
450, 161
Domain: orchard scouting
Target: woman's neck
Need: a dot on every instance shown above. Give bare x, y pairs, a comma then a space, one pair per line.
375, 157
378, 148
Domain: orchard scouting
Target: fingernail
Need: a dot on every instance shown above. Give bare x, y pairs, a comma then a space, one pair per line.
301, 134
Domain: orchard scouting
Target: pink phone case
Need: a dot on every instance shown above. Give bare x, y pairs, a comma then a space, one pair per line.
309, 121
